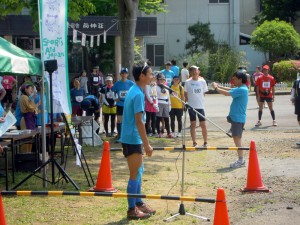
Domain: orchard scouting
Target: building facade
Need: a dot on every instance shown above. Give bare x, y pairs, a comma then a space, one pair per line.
230, 22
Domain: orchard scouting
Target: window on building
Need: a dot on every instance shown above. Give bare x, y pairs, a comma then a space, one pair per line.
155, 53
218, 1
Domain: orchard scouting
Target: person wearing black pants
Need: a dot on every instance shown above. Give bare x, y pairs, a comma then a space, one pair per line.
176, 105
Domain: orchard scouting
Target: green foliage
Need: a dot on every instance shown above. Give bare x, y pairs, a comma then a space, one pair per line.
137, 51
199, 58
12, 6
202, 38
285, 10
224, 62
76, 9
286, 70
279, 38
152, 6
217, 61
105, 8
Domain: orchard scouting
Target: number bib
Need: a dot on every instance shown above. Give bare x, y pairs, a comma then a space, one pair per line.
123, 94
96, 79
196, 90
78, 98
266, 84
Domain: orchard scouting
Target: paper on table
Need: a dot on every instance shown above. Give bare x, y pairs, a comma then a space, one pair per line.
9, 121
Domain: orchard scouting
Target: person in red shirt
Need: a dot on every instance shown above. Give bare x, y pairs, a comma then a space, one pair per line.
8, 82
255, 76
265, 92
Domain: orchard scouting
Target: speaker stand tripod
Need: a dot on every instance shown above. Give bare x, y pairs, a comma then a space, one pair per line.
181, 211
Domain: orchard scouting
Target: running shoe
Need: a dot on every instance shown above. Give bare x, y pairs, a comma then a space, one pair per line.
170, 135
146, 209
274, 123
136, 214
237, 164
258, 124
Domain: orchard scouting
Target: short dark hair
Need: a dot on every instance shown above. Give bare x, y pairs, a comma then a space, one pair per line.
173, 61
185, 64
241, 75
138, 69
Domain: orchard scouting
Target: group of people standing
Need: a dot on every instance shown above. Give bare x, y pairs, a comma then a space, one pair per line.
93, 93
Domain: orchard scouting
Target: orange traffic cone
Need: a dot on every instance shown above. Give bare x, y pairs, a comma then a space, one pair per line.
254, 181
221, 212
104, 181
2, 214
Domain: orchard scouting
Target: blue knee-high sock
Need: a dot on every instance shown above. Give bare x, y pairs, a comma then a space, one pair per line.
139, 185
131, 189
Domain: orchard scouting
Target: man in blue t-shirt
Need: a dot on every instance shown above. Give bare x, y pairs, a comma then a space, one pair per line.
237, 113
174, 68
134, 140
121, 88
168, 73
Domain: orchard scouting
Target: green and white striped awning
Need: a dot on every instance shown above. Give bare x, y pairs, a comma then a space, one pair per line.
16, 61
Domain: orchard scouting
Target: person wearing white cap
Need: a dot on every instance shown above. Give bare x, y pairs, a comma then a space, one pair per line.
194, 92
109, 108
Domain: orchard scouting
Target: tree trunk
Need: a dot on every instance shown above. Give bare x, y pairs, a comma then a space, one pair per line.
127, 16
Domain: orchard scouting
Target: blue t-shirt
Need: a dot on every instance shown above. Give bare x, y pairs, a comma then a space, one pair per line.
169, 74
175, 69
121, 88
238, 106
39, 115
95, 105
134, 103
77, 95
18, 113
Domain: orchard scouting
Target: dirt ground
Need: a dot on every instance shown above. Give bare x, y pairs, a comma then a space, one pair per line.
279, 162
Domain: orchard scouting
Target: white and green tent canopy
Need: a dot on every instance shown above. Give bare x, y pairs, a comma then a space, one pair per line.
16, 61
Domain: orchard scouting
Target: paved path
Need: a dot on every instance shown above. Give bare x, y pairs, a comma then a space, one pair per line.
217, 108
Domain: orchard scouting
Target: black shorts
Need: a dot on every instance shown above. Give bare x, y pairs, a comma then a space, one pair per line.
8, 96
120, 110
193, 115
129, 149
263, 99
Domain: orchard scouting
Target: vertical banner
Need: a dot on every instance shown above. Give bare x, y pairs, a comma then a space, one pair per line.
104, 36
98, 40
92, 41
74, 36
83, 39
54, 46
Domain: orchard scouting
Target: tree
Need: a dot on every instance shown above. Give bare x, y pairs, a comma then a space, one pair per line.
202, 38
278, 38
76, 8
285, 10
125, 9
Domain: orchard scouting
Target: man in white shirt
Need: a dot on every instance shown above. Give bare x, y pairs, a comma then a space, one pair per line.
194, 91
184, 73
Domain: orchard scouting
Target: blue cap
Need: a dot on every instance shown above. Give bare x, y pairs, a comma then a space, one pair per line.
85, 104
124, 70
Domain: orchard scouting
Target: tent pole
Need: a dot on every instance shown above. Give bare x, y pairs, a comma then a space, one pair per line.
43, 131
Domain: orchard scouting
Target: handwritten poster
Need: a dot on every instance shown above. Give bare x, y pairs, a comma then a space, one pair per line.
54, 45
9, 121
